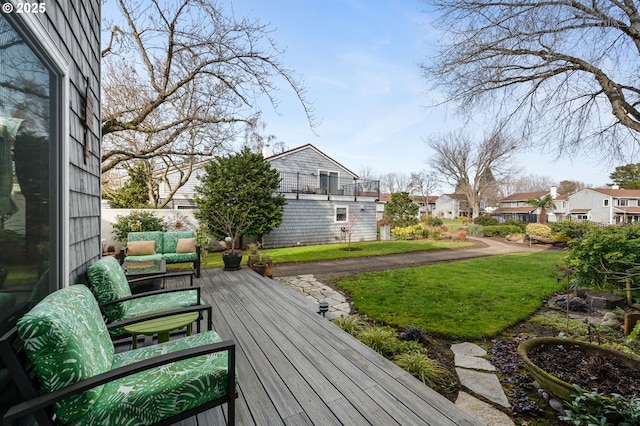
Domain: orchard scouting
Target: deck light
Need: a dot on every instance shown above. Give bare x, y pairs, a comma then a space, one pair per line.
323, 307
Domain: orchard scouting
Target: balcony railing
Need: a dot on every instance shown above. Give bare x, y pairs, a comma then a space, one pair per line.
300, 183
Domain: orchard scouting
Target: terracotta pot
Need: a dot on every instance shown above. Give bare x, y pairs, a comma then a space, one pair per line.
232, 260
559, 388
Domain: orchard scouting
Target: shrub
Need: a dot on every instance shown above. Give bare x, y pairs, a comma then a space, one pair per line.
538, 230
381, 339
408, 232
137, 221
521, 224
462, 235
605, 254
573, 230
499, 230
485, 220
593, 408
429, 220
429, 371
475, 230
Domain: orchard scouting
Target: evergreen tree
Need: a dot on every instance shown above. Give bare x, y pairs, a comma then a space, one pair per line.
627, 176
134, 194
237, 196
401, 210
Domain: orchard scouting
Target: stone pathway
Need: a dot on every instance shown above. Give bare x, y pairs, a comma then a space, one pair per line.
474, 371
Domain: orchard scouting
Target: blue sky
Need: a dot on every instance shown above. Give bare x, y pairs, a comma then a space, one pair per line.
359, 60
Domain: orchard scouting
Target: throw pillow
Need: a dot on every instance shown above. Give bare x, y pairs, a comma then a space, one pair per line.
186, 245
141, 248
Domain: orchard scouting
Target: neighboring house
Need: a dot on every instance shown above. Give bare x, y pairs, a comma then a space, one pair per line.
452, 206
516, 207
324, 198
49, 152
608, 206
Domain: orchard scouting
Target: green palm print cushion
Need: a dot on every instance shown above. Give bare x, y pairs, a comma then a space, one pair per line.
156, 236
150, 396
170, 240
108, 283
67, 341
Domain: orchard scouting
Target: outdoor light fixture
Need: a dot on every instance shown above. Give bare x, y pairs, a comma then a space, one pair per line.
323, 307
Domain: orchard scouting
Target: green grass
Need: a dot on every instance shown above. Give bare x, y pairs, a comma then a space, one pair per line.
468, 299
337, 251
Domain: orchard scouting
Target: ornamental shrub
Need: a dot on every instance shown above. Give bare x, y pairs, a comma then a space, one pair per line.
499, 230
593, 408
475, 230
429, 220
486, 220
605, 255
137, 221
538, 230
408, 232
573, 230
519, 223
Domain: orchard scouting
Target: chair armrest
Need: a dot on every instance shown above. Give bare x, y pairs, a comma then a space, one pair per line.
47, 400
161, 314
153, 293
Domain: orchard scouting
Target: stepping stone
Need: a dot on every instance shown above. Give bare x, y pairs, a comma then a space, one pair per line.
484, 384
468, 355
484, 412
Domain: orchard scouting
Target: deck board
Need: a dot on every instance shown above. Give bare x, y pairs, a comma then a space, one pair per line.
296, 368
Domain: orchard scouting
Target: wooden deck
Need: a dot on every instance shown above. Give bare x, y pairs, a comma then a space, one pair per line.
296, 368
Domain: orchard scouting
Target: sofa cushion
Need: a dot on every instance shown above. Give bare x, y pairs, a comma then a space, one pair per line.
141, 248
180, 257
150, 396
145, 258
157, 236
171, 240
186, 245
108, 283
67, 341
162, 302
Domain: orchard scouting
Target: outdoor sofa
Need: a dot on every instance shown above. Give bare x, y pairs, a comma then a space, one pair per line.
173, 247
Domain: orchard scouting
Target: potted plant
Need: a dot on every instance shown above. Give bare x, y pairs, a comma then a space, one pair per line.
269, 262
259, 266
238, 196
254, 254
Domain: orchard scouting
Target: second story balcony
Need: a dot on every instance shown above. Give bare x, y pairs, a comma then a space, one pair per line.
327, 184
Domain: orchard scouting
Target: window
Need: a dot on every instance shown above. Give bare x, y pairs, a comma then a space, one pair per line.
341, 214
30, 104
605, 202
328, 182
622, 202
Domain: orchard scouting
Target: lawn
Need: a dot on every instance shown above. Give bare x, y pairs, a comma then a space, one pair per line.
468, 299
338, 251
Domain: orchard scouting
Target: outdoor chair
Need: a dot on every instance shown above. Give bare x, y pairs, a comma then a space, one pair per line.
64, 365
113, 293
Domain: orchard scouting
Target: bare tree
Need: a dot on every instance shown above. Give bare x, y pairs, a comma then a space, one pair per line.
566, 71
523, 184
423, 183
178, 77
571, 186
393, 182
471, 168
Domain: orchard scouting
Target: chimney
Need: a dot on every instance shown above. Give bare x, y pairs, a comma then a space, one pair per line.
267, 151
615, 186
554, 192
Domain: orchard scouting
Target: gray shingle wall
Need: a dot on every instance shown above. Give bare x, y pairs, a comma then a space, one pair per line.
307, 222
74, 27
306, 161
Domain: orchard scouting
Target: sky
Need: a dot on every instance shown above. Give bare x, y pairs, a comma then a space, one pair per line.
359, 62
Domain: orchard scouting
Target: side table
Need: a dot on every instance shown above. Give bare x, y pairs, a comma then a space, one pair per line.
162, 327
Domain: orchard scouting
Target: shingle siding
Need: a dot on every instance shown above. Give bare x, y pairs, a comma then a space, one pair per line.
74, 27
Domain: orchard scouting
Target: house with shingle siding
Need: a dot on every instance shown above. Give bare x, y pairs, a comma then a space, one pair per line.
324, 199
452, 206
